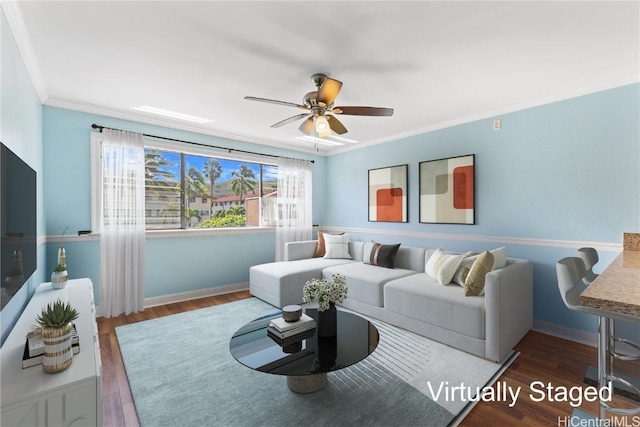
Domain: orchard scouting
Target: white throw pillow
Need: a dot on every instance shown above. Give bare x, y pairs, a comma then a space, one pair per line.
429, 267
499, 257
337, 246
368, 247
442, 267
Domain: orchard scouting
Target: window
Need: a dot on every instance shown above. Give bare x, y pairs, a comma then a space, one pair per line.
189, 188
194, 191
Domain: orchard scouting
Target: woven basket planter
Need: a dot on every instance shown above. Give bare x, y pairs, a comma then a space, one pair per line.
58, 353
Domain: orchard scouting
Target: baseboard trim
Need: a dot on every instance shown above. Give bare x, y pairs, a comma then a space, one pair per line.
549, 328
571, 334
191, 295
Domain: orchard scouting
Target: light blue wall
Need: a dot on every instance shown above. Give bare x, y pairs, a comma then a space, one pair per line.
554, 177
173, 265
21, 131
562, 174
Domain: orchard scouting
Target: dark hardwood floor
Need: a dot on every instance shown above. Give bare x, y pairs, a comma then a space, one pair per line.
543, 358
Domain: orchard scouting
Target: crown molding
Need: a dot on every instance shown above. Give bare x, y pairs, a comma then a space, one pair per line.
167, 123
549, 99
157, 121
18, 28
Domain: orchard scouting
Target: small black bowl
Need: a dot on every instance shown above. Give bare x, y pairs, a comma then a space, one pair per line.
291, 313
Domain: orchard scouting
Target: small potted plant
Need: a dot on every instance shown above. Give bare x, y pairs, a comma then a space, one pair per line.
326, 293
56, 323
60, 275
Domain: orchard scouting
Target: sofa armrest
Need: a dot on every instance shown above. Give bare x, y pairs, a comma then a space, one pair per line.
300, 250
508, 307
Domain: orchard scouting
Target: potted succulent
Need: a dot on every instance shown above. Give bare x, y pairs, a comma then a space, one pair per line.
56, 323
60, 275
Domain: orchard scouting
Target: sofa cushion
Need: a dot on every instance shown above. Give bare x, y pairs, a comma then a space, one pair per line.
442, 266
410, 258
365, 281
422, 298
474, 283
337, 246
380, 255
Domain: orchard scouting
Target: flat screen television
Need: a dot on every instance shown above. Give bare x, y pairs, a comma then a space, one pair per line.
18, 248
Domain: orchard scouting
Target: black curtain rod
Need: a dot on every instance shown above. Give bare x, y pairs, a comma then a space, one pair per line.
229, 150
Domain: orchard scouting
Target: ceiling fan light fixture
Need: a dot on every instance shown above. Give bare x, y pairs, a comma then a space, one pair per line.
322, 126
320, 120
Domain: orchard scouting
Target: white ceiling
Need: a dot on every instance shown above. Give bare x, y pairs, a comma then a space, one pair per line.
436, 63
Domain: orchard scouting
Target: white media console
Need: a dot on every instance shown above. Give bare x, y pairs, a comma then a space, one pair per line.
73, 397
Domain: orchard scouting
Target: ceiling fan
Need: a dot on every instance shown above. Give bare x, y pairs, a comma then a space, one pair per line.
320, 112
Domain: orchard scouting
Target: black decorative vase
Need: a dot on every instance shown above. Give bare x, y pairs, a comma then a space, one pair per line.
327, 352
328, 322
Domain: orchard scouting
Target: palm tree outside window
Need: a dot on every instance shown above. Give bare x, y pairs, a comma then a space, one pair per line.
194, 191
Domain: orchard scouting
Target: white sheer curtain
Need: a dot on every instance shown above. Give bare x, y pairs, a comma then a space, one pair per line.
122, 234
294, 203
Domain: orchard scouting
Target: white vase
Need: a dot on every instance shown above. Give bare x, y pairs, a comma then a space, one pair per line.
59, 279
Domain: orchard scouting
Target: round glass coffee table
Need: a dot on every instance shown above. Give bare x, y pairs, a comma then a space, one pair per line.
305, 360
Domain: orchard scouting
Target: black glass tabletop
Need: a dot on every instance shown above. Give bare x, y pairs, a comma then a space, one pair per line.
305, 353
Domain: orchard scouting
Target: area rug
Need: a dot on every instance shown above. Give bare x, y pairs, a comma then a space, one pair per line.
181, 373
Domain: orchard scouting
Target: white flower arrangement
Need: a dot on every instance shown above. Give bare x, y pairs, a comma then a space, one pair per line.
325, 291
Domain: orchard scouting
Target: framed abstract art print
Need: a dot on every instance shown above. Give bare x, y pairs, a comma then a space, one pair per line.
388, 194
447, 190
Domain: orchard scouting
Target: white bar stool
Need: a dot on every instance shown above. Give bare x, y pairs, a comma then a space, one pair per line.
571, 271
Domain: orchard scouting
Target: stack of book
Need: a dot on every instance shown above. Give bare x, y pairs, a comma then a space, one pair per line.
285, 333
34, 348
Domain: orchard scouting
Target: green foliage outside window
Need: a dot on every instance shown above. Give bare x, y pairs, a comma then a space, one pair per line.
175, 180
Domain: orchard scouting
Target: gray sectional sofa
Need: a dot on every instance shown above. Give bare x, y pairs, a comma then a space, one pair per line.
488, 326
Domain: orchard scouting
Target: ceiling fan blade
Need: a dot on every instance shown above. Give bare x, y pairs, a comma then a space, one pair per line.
289, 120
363, 111
336, 125
329, 90
307, 126
274, 101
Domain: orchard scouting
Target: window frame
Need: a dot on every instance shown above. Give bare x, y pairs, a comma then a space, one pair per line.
176, 147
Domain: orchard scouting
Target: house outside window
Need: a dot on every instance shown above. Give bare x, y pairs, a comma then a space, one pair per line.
194, 191
192, 187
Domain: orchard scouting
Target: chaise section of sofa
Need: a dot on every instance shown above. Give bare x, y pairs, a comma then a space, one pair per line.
281, 283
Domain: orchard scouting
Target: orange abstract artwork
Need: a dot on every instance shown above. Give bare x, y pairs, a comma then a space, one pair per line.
388, 194
463, 187
390, 204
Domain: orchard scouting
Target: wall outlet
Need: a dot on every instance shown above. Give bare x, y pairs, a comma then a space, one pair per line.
496, 125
